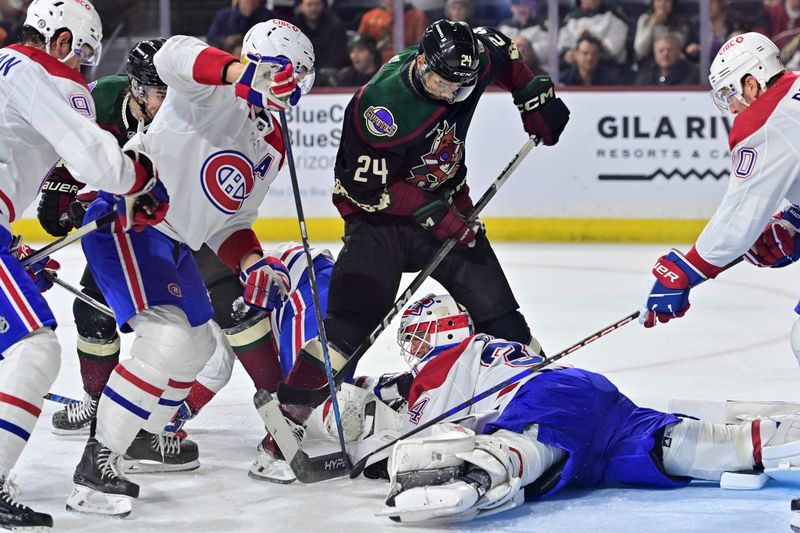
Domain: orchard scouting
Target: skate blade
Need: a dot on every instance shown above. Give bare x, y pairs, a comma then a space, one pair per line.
30, 529
82, 432
281, 480
89, 501
131, 466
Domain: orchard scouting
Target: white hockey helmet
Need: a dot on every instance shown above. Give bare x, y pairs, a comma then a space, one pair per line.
750, 53
78, 16
278, 38
431, 325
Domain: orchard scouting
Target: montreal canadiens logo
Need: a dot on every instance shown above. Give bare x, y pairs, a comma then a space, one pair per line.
175, 289
227, 180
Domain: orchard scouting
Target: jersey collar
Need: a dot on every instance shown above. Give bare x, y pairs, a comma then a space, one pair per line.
52, 65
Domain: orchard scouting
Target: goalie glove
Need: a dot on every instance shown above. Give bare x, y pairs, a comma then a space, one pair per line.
778, 245
452, 475
268, 82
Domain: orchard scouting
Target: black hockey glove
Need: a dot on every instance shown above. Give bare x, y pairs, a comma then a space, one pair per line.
58, 192
543, 115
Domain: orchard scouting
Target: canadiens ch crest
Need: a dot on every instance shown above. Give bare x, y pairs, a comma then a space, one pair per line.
227, 180
442, 161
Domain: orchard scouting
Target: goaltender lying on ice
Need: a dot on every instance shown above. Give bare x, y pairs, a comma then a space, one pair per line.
558, 427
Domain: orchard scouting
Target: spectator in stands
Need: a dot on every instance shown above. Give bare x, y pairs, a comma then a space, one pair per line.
784, 18
726, 21
377, 23
595, 18
233, 44
587, 69
326, 33
459, 11
528, 54
238, 18
525, 22
661, 18
364, 62
668, 66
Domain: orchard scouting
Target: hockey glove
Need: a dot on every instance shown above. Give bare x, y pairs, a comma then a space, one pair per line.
444, 221
268, 82
58, 192
266, 283
674, 275
149, 205
543, 115
181, 416
778, 245
37, 269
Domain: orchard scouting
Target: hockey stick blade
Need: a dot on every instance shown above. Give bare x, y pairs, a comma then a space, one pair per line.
307, 469
288, 394
59, 399
68, 239
362, 463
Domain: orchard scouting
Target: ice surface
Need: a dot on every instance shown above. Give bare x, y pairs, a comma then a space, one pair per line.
732, 345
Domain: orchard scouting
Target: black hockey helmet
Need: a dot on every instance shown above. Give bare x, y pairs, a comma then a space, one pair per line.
451, 51
140, 65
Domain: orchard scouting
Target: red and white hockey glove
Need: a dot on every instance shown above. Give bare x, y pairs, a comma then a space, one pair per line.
268, 82
37, 269
779, 245
147, 206
444, 221
674, 275
266, 283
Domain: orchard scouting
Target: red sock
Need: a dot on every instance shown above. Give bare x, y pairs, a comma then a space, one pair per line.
306, 375
199, 396
261, 362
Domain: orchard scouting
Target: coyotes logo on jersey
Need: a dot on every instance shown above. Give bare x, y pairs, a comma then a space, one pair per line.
442, 161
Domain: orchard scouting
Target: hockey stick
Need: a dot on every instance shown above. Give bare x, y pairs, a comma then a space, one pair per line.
293, 395
68, 239
314, 288
307, 469
359, 466
85, 298
59, 399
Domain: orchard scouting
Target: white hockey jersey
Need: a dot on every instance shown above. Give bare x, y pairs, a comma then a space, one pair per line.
215, 157
46, 113
462, 372
765, 172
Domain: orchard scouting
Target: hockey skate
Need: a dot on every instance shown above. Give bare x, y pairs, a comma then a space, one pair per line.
99, 487
270, 464
17, 517
75, 418
165, 452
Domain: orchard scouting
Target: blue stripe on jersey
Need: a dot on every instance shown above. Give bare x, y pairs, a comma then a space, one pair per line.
15, 429
121, 400
297, 255
170, 403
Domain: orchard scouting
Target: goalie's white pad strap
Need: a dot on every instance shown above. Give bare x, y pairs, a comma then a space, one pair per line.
431, 452
730, 411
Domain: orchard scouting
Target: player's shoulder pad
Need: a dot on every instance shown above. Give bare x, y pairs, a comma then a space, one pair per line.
386, 110
106, 92
495, 45
752, 119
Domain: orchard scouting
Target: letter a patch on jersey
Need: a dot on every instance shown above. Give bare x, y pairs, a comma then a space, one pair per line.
227, 180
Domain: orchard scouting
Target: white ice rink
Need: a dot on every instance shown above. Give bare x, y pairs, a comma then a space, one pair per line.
733, 344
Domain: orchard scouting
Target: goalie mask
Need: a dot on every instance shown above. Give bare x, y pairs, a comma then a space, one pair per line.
278, 38
748, 54
77, 16
430, 326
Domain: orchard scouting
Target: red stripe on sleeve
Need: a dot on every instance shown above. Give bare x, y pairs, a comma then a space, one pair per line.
710, 271
239, 244
209, 65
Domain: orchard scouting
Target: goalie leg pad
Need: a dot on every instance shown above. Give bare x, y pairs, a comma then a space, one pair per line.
703, 450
